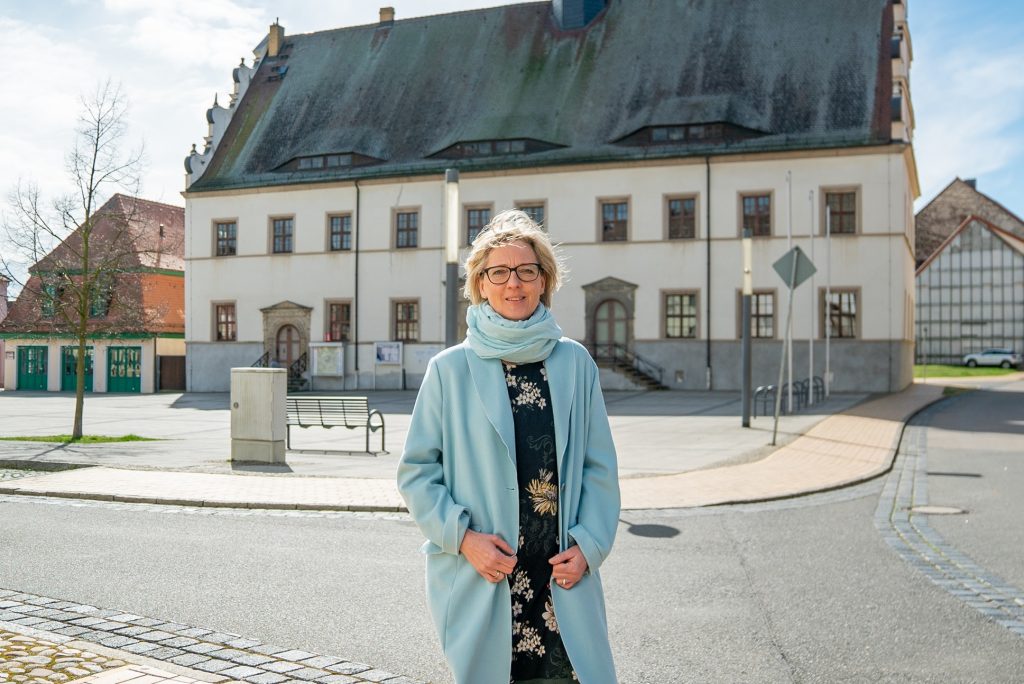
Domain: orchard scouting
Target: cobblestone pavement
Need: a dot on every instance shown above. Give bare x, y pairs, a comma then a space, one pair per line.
36, 661
925, 549
228, 656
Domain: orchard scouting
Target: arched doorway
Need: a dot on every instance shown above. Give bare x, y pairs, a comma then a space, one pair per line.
287, 345
610, 327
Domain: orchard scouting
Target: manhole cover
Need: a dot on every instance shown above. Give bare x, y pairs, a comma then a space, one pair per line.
937, 510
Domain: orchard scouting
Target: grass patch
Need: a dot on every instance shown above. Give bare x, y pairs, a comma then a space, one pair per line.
84, 439
937, 371
953, 391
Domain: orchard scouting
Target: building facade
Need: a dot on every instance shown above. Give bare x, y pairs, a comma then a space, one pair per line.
970, 294
135, 331
644, 136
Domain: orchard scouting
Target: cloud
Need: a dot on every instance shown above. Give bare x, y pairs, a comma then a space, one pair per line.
969, 102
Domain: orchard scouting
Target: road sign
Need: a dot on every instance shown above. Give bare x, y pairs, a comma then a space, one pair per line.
804, 268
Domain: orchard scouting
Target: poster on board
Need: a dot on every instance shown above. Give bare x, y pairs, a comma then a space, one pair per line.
328, 359
387, 353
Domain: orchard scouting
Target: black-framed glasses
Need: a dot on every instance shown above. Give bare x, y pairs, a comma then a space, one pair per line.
499, 275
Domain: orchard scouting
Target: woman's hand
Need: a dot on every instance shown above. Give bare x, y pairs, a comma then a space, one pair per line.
489, 554
568, 567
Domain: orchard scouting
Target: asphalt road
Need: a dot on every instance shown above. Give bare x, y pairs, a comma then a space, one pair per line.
800, 591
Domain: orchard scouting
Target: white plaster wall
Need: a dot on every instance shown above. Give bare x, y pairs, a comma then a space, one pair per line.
878, 260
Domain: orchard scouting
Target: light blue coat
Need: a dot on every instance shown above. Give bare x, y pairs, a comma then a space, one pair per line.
458, 471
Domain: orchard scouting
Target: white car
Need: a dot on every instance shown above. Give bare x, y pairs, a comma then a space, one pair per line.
1006, 358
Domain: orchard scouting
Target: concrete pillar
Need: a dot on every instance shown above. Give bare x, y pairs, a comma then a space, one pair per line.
258, 414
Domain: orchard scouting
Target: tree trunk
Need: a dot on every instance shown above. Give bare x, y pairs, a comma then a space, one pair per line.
76, 432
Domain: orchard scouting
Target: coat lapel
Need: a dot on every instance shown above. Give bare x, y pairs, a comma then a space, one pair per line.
562, 385
489, 379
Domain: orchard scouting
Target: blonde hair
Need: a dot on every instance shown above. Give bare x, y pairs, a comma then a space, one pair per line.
507, 228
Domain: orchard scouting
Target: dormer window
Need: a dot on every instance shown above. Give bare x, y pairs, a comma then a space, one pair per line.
494, 148
683, 134
318, 162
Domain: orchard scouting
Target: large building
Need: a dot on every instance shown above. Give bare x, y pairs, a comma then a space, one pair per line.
970, 282
135, 318
645, 135
4, 282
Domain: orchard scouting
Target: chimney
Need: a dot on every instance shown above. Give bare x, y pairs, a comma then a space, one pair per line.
275, 39
387, 16
574, 14
973, 182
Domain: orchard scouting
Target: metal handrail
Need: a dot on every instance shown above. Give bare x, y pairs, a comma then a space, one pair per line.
262, 362
612, 351
298, 367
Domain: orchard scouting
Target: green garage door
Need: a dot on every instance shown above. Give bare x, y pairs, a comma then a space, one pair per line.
68, 363
32, 368
124, 369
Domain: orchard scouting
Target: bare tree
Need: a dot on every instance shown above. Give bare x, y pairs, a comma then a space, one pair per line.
82, 244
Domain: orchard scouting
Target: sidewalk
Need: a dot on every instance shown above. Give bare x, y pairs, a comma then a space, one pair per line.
855, 444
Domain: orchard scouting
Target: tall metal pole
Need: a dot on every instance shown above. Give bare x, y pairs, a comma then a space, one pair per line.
451, 275
782, 361
748, 291
810, 336
789, 330
828, 299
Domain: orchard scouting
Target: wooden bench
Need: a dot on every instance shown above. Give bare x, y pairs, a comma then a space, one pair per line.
328, 412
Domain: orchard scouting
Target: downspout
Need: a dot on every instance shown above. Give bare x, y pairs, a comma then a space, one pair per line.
707, 297
355, 296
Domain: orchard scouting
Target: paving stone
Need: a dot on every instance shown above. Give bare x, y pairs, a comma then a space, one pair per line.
133, 631
220, 637
240, 671
294, 655
307, 673
321, 661
377, 675
203, 648
267, 678
164, 653
146, 622
171, 627
403, 680
214, 665
28, 621
242, 643
337, 679
118, 641
227, 653
268, 649
141, 648
188, 659
348, 668
178, 642
86, 621
251, 659
281, 666
156, 635
194, 632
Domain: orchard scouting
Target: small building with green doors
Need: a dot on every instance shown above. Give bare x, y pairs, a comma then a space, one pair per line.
135, 316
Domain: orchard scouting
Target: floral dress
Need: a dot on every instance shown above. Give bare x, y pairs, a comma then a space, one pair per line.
537, 651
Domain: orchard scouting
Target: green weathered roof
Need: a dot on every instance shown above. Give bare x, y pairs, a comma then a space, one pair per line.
805, 74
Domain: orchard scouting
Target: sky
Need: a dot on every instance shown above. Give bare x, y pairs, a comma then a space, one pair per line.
171, 57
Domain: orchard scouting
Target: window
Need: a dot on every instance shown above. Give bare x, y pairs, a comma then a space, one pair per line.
51, 295
99, 304
339, 321
614, 221
682, 217
842, 212
407, 321
840, 313
407, 229
226, 327
340, 232
681, 315
757, 214
535, 211
762, 315
476, 219
227, 238
284, 230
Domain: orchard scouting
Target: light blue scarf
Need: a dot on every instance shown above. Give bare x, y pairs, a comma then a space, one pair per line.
492, 336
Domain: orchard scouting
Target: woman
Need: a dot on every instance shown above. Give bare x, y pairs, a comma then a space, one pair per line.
509, 470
